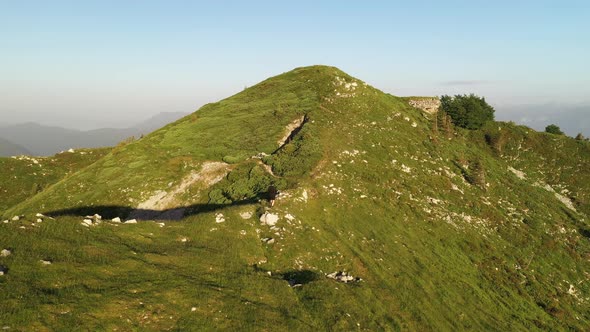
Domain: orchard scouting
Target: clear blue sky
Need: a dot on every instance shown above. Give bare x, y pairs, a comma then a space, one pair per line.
101, 63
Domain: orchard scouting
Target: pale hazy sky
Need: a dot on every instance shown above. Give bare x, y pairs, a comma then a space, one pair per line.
112, 63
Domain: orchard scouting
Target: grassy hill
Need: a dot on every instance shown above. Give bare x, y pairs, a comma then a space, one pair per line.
447, 229
23, 177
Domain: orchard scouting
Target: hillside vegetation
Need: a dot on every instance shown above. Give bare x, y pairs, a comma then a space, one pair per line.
440, 228
23, 177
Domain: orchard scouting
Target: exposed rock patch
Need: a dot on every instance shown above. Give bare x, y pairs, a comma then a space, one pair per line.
161, 204
297, 123
343, 276
428, 105
519, 174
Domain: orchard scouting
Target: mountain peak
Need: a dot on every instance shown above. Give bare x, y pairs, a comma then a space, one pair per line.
380, 205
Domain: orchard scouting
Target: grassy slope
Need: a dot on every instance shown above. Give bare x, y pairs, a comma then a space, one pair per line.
236, 128
385, 203
23, 177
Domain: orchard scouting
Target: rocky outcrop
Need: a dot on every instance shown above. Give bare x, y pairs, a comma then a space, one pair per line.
343, 276
428, 105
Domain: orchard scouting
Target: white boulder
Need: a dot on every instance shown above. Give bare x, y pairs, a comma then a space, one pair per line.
269, 219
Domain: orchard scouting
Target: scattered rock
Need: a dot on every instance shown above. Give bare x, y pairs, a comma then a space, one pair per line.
5, 253
246, 215
71, 151
219, 218
342, 276
16, 218
269, 219
161, 224
39, 220
260, 155
39, 215
131, 221
3, 270
116, 219
45, 262
193, 309
289, 217
183, 239
406, 169
268, 240
304, 196
5, 221
87, 222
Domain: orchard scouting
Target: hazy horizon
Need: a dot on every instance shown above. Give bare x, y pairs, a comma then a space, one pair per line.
95, 65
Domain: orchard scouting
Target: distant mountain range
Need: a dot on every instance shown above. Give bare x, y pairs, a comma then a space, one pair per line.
8, 148
36, 139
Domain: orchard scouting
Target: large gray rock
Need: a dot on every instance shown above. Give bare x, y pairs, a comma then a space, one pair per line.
269, 219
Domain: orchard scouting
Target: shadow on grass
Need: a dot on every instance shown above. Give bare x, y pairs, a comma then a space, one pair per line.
128, 212
299, 277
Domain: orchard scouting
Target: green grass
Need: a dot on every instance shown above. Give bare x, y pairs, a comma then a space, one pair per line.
387, 200
23, 177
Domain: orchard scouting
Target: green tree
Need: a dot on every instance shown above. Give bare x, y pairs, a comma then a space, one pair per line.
553, 129
580, 137
467, 111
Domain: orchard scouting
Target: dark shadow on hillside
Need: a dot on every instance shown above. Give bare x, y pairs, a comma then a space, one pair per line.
299, 277
128, 212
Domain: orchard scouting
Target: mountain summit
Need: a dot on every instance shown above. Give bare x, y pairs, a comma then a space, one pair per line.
386, 219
